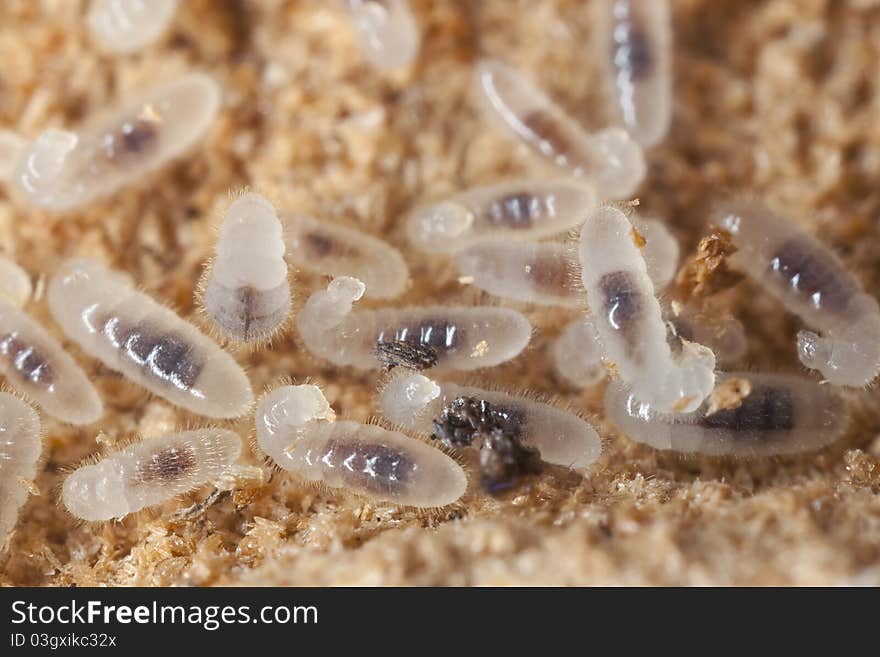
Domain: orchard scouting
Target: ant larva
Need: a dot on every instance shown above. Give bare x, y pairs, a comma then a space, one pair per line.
124, 26
61, 170
130, 333
629, 320
770, 414
15, 284
724, 335
609, 158
514, 209
636, 44
296, 428
325, 248
416, 402
21, 444
811, 282
388, 32
464, 338
245, 291
150, 472
577, 354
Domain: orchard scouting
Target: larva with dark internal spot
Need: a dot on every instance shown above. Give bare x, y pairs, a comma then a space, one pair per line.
62, 170
514, 209
464, 338
145, 341
811, 282
15, 284
124, 26
296, 428
150, 472
326, 248
781, 414
416, 402
388, 32
246, 292
20, 448
609, 158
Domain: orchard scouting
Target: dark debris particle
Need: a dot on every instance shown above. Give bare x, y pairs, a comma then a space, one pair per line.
399, 353
504, 460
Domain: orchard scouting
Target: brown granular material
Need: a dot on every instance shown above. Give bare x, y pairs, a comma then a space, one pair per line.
773, 98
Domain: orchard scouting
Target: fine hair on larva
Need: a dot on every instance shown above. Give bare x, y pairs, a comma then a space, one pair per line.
126, 26
63, 169
149, 472
21, 445
464, 338
515, 105
245, 290
297, 429
387, 30
812, 282
150, 344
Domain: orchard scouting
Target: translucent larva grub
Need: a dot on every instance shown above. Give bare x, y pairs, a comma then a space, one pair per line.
514, 209
296, 428
12, 145
245, 291
388, 32
15, 284
577, 354
609, 158
62, 170
20, 448
629, 320
145, 341
333, 250
661, 250
150, 472
635, 41
416, 402
779, 414
811, 282
464, 337
124, 26
35, 364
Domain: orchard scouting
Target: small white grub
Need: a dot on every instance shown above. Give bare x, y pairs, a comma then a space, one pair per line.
577, 354
20, 448
462, 337
150, 344
124, 26
388, 32
295, 428
15, 284
781, 414
150, 472
609, 158
661, 250
12, 145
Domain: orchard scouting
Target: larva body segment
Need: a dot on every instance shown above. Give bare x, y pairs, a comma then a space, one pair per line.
782, 414
515, 209
636, 42
812, 283
295, 428
609, 158
15, 284
247, 294
149, 472
388, 32
124, 26
62, 170
20, 449
416, 402
34, 363
661, 250
12, 145
629, 320
325, 248
145, 341
577, 354
464, 338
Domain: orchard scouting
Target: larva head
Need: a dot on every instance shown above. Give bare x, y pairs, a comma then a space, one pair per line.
434, 226
284, 413
405, 397
41, 167
620, 164
96, 492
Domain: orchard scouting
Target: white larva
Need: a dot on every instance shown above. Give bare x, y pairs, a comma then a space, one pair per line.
388, 32
782, 414
148, 343
416, 402
609, 158
124, 26
35, 364
577, 354
15, 284
513, 209
20, 449
295, 427
629, 320
150, 472
246, 293
811, 282
463, 338
661, 250
326, 248
12, 145
635, 42
62, 170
